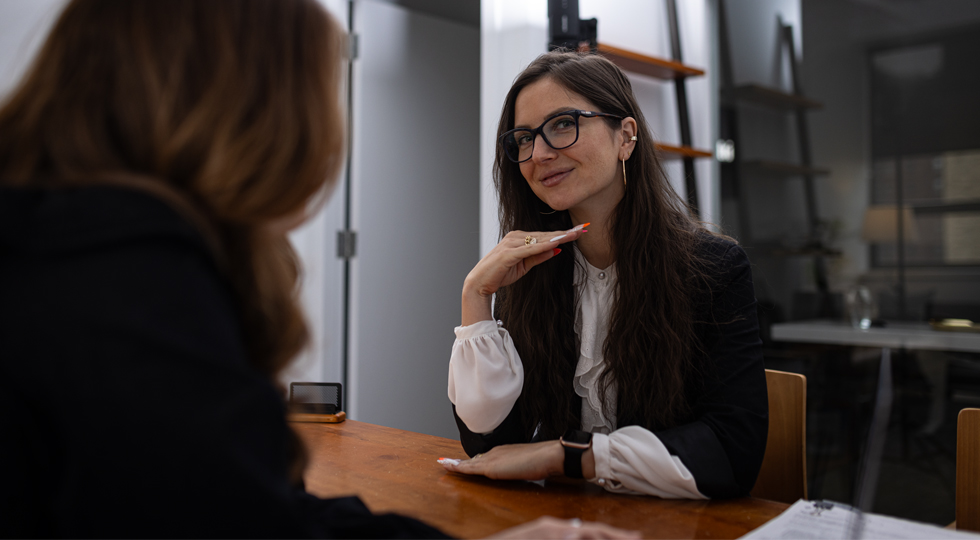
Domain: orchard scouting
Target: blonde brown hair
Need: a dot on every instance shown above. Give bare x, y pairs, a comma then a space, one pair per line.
228, 110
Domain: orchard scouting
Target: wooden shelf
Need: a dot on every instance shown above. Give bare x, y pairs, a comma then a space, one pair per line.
650, 66
777, 168
776, 99
669, 151
942, 207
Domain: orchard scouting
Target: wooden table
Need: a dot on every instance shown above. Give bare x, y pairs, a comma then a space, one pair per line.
396, 471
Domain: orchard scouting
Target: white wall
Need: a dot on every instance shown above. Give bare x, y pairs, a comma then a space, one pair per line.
414, 205
23, 26
514, 32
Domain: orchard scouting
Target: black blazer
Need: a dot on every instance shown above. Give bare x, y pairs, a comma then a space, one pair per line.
127, 407
723, 441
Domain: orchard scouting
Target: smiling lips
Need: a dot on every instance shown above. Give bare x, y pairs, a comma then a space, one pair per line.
554, 179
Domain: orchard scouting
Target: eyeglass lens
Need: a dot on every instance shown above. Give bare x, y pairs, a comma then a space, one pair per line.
558, 132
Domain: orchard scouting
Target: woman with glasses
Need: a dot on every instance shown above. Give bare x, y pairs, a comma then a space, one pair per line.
625, 346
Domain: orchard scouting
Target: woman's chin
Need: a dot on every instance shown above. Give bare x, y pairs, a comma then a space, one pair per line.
558, 205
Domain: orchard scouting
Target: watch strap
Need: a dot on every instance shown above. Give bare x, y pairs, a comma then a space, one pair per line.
573, 462
573, 453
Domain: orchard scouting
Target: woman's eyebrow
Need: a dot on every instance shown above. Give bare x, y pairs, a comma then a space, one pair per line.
559, 110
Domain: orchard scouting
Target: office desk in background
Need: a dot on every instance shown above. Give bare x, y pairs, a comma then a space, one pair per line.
912, 336
396, 471
896, 335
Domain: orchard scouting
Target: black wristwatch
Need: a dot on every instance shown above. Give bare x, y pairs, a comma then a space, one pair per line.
575, 442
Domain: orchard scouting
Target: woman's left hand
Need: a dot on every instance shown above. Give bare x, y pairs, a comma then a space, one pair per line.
533, 461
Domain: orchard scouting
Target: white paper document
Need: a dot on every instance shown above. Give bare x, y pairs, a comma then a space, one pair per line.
821, 519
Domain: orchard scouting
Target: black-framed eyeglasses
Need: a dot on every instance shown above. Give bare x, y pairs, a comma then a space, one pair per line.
559, 131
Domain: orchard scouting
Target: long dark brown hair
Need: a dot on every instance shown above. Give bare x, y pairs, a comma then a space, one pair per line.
651, 344
227, 110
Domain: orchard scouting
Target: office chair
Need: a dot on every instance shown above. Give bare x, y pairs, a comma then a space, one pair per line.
783, 474
968, 470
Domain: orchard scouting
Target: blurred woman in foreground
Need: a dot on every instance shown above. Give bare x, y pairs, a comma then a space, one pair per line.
151, 163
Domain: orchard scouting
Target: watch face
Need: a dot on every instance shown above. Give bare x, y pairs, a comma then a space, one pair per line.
575, 436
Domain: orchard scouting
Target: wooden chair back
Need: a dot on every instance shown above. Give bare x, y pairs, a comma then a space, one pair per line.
968, 470
783, 474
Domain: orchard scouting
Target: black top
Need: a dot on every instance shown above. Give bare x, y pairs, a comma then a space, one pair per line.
723, 441
127, 407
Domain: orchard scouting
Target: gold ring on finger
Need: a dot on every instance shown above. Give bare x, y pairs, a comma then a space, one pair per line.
528, 240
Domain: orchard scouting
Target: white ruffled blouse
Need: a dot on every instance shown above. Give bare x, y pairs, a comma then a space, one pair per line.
486, 377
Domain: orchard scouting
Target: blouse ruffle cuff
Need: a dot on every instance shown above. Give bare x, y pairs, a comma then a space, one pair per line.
476, 329
633, 460
603, 470
486, 375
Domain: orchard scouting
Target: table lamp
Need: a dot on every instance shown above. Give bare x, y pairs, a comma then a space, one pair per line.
884, 224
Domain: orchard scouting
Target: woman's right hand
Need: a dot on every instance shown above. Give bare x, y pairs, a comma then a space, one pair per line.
506, 263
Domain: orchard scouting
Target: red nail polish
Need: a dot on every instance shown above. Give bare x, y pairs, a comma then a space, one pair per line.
585, 230
557, 251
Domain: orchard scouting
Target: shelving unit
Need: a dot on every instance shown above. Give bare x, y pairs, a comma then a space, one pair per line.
945, 207
771, 97
675, 70
651, 66
742, 170
669, 151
